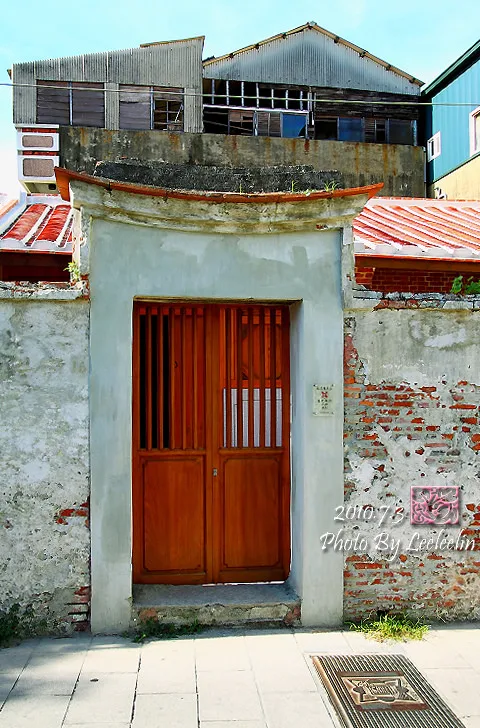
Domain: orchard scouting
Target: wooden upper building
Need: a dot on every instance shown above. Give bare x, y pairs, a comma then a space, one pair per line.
305, 84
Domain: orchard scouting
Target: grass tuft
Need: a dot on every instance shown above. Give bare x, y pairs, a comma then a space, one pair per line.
151, 628
398, 627
17, 624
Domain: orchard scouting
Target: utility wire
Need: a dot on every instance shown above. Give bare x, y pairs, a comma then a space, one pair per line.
267, 99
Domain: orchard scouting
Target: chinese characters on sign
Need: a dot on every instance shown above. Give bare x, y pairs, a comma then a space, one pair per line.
322, 399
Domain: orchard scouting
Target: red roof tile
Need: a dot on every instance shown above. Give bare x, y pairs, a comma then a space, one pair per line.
40, 228
419, 228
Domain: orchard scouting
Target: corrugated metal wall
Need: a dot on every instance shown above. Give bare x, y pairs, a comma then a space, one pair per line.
310, 58
453, 122
166, 64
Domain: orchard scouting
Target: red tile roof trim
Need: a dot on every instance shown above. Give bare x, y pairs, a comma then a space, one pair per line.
419, 228
41, 228
64, 176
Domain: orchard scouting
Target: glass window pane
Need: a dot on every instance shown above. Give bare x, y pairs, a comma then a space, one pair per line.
350, 130
401, 132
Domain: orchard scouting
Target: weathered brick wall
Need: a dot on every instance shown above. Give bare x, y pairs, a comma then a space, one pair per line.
412, 396
44, 511
389, 280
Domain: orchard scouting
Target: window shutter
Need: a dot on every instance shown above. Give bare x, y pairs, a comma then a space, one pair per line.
53, 102
370, 135
268, 124
88, 104
135, 108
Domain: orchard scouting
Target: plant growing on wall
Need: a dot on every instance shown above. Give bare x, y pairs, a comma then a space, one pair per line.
74, 271
465, 287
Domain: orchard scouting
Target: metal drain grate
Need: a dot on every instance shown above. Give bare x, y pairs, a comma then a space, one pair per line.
382, 691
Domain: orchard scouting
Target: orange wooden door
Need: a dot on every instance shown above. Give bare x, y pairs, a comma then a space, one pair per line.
211, 437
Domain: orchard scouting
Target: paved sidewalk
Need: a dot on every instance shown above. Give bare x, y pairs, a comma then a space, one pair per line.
220, 679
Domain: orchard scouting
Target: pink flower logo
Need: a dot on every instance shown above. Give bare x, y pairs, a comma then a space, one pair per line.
434, 505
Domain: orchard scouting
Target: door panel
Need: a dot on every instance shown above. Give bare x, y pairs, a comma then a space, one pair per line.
252, 514
174, 515
211, 437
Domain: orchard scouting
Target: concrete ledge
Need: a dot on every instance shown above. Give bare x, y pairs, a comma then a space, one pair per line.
43, 291
366, 299
219, 604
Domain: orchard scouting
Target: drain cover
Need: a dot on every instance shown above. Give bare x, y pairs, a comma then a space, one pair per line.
382, 691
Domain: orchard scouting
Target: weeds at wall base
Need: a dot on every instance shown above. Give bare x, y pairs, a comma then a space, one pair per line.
396, 627
151, 628
18, 624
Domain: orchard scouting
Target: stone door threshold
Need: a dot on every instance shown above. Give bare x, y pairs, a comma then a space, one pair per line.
218, 604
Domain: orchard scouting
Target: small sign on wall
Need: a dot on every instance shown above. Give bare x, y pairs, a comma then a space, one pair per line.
322, 399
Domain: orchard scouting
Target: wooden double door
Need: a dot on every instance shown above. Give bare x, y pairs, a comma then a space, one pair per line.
211, 440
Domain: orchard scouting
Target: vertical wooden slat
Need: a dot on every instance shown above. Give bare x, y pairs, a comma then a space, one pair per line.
183, 379
160, 365
285, 364
228, 377
171, 410
136, 414
239, 380
148, 374
261, 334
250, 442
273, 374
194, 377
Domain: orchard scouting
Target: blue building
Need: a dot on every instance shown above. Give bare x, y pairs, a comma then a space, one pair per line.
453, 129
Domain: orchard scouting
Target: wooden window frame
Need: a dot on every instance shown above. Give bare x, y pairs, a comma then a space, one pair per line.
474, 138
434, 147
71, 86
175, 117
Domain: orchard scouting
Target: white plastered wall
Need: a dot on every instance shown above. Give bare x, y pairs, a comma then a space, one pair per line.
133, 253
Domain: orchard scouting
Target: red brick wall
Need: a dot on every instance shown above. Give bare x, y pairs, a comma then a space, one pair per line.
392, 425
390, 280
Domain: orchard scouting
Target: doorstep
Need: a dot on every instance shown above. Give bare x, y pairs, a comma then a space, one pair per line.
217, 604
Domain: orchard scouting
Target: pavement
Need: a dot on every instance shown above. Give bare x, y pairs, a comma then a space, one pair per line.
237, 678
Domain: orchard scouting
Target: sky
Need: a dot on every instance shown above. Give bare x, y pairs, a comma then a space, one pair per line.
422, 38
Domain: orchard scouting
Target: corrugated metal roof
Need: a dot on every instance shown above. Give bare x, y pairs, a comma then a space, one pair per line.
351, 64
176, 63
40, 228
418, 227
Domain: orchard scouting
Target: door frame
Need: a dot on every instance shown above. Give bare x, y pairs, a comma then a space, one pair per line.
216, 456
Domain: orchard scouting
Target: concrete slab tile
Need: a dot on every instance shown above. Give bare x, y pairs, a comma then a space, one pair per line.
7, 681
428, 654
232, 724
228, 695
103, 698
279, 662
221, 653
34, 710
323, 642
472, 721
167, 667
284, 710
459, 688
359, 643
15, 657
111, 655
75, 643
165, 711
50, 673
